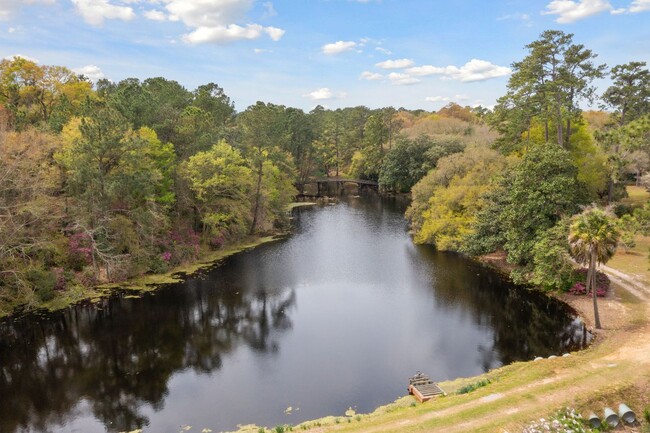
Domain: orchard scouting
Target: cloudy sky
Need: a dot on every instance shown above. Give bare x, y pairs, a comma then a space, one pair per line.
401, 53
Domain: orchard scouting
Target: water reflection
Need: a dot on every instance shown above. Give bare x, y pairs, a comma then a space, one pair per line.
121, 355
338, 315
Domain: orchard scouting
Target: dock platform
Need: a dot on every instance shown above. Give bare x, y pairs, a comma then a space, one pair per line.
423, 388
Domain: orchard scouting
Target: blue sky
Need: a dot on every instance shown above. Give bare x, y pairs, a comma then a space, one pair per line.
337, 53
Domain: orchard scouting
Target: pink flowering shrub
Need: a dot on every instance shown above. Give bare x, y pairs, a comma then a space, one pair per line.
180, 245
79, 251
217, 242
580, 287
59, 275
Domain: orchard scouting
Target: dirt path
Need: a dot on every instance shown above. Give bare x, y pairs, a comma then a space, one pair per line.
630, 283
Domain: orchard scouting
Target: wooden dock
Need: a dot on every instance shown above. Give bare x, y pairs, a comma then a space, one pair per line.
423, 388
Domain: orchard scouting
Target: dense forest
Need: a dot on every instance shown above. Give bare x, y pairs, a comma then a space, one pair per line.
101, 182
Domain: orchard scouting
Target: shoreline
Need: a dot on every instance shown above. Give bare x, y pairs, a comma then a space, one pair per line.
614, 367
582, 307
548, 375
150, 282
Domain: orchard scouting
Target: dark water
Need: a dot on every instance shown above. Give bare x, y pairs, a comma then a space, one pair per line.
338, 315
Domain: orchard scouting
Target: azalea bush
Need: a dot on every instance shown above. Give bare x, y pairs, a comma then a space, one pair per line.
603, 283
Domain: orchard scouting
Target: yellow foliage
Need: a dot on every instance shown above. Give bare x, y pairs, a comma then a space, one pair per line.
597, 119
590, 160
454, 192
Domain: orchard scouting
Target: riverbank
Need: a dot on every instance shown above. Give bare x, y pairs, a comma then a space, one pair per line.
614, 369
149, 282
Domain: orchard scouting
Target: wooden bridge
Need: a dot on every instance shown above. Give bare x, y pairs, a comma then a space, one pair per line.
338, 181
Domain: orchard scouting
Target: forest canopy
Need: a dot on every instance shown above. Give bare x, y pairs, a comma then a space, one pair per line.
100, 182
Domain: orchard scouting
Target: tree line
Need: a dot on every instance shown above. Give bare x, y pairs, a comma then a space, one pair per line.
101, 182
528, 195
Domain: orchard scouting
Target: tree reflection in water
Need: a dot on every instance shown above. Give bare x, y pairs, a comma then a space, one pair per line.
121, 356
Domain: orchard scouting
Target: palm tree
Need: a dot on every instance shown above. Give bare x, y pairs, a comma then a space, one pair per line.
593, 237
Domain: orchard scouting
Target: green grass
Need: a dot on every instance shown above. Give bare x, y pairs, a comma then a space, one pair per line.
473, 386
635, 261
637, 196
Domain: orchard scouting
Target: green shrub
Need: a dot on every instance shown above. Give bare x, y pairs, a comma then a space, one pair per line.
44, 282
473, 386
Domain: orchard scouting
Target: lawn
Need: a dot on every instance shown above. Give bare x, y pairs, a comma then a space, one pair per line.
637, 196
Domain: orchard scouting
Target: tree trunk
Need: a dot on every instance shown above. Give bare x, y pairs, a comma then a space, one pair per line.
546, 130
560, 136
258, 191
592, 265
610, 186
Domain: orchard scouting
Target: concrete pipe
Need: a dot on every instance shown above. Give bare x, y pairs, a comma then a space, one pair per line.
611, 418
594, 421
626, 413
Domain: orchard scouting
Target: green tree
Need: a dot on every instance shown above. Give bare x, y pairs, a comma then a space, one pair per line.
549, 83
629, 94
263, 137
552, 268
31, 93
531, 197
410, 160
447, 200
593, 238
212, 99
120, 185
221, 182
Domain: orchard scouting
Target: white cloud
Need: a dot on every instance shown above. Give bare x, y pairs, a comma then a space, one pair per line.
569, 11
216, 20
402, 79
338, 47
261, 51
11, 30
22, 56
274, 33
384, 50
371, 76
94, 12
640, 6
92, 72
208, 13
323, 94
395, 64
9, 7
474, 70
423, 71
457, 98
155, 15
231, 33
436, 98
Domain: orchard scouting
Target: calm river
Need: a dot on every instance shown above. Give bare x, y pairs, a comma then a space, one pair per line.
338, 315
